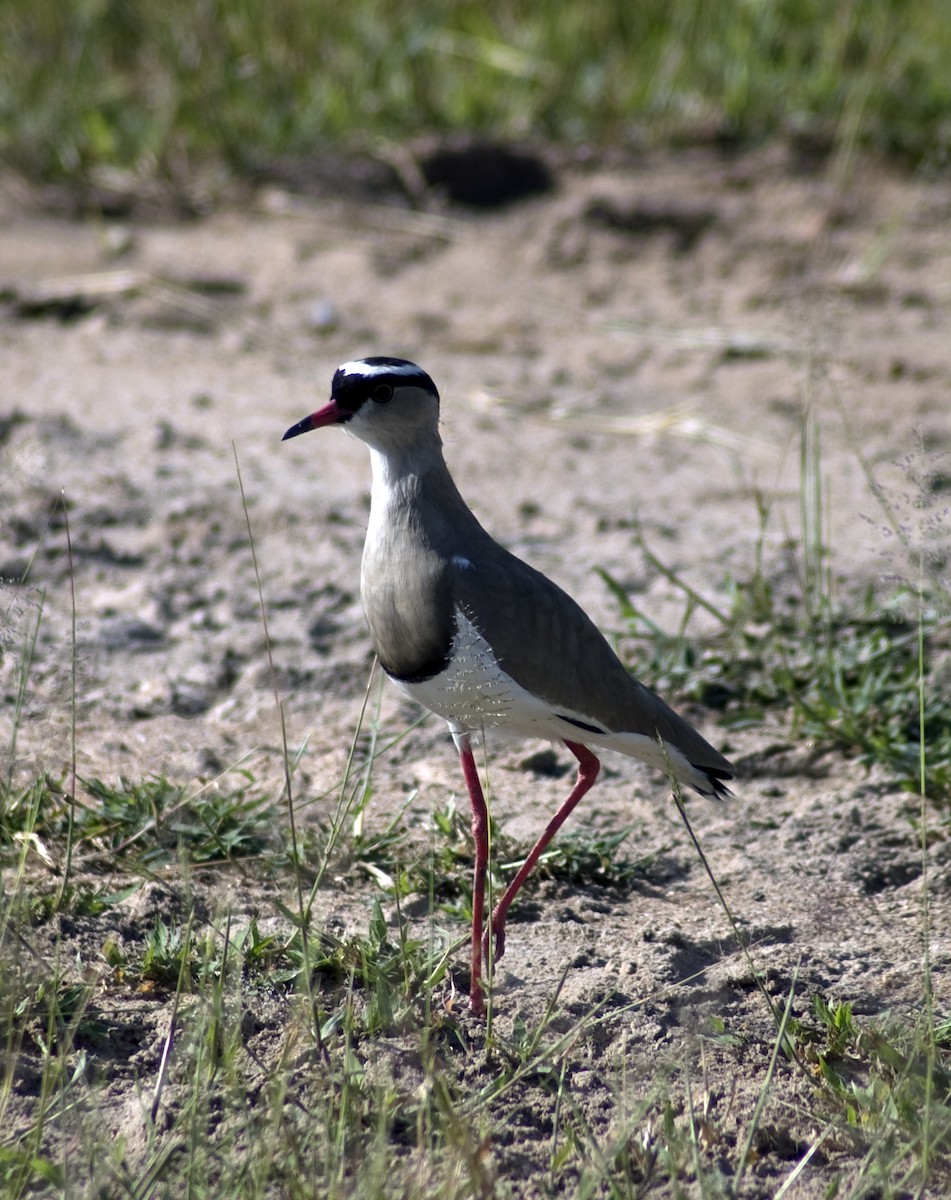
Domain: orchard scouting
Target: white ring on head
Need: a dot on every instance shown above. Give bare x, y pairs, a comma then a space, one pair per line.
369, 370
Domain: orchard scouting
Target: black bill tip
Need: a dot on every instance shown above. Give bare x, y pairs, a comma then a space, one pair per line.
304, 426
330, 414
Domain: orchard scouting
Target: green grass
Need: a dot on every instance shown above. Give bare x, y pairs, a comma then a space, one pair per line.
850, 684
165, 89
887, 1083
861, 676
374, 1086
373, 1082
150, 820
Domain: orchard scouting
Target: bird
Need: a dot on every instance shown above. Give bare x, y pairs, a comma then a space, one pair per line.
481, 638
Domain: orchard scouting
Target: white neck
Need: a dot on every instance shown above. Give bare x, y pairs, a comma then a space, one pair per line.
395, 479
400, 464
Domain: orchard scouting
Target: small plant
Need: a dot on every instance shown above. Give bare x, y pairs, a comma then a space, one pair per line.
582, 857
28, 812
157, 820
886, 1085
845, 678
394, 975
168, 956
152, 820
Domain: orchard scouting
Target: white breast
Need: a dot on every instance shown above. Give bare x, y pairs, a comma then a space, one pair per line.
474, 693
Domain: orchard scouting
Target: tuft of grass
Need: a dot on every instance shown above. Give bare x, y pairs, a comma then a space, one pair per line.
211, 824
442, 871
878, 1086
863, 678
168, 957
152, 819
160, 89
582, 858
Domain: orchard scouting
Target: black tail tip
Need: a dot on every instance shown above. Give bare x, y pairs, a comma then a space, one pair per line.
715, 777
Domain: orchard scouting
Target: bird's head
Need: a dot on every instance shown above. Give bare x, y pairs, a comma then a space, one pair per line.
383, 401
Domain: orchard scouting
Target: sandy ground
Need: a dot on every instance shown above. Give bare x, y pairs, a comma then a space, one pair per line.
593, 370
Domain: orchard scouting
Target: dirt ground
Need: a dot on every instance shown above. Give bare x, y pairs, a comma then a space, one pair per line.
641, 342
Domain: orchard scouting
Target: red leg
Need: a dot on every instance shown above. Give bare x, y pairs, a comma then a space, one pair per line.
588, 767
480, 837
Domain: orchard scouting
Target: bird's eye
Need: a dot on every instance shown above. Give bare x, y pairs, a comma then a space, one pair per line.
382, 393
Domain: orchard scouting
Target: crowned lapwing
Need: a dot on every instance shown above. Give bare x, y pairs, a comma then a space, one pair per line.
479, 637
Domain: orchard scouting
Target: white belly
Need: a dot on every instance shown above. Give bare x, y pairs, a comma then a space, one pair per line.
474, 694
